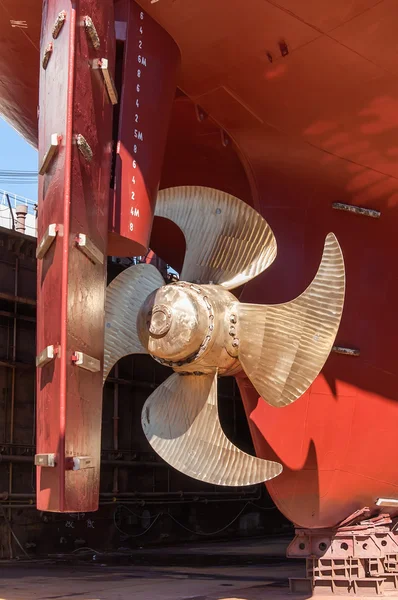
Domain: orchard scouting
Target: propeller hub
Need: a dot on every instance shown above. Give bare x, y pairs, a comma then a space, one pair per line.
159, 320
173, 323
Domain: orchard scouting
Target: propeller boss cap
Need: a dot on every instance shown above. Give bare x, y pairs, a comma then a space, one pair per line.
159, 320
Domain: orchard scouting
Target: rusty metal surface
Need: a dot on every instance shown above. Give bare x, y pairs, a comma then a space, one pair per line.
357, 210
148, 91
358, 557
180, 420
227, 242
73, 195
346, 351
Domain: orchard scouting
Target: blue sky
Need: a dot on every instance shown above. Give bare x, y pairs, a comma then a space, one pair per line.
17, 154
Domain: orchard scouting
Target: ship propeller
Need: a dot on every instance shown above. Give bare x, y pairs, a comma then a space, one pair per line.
199, 329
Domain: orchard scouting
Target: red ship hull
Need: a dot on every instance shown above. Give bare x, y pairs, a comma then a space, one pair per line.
298, 107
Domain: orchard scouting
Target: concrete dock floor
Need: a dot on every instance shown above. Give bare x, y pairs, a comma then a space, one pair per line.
50, 582
211, 571
245, 570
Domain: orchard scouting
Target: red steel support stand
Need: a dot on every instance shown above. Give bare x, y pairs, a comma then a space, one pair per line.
359, 557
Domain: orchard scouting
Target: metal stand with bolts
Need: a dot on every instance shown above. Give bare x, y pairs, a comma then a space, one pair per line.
357, 558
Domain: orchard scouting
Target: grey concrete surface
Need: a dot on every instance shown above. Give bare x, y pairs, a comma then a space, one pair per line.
56, 582
209, 571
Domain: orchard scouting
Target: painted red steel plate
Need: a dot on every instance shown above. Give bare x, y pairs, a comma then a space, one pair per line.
150, 66
73, 196
313, 127
19, 64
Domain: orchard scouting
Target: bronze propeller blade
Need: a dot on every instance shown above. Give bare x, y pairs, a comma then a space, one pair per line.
124, 297
227, 241
180, 420
283, 347
202, 331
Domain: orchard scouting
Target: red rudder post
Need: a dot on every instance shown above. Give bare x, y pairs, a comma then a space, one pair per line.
75, 150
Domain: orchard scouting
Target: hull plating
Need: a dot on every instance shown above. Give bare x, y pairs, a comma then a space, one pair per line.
308, 97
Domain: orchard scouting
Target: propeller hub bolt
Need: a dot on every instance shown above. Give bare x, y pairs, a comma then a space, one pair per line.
159, 320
